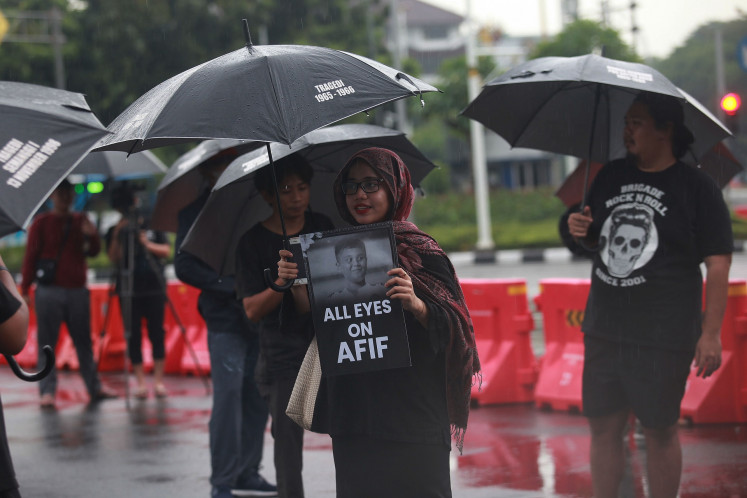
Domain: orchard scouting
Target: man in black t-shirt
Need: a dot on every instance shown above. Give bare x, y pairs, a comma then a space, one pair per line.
652, 221
283, 341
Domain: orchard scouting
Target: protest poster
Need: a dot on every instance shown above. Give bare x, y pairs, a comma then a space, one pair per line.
358, 328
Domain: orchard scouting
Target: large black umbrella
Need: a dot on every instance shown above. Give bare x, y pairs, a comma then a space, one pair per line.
718, 163
576, 105
235, 205
183, 182
272, 93
43, 134
120, 165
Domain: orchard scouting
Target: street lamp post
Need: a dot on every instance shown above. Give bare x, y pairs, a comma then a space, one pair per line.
485, 242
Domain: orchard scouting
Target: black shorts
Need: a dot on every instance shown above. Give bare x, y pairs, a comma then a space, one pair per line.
647, 380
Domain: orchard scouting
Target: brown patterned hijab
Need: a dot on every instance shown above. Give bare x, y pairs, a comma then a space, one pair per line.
462, 363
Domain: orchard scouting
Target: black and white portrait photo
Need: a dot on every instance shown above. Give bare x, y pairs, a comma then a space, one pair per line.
358, 327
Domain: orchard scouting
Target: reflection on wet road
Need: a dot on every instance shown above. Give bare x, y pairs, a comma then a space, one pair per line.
159, 448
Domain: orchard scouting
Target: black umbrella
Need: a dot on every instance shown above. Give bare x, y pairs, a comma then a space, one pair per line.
235, 205
718, 163
43, 134
576, 105
120, 165
183, 182
271, 93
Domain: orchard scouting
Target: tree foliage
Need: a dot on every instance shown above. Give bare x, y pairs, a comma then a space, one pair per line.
452, 81
692, 66
116, 50
584, 37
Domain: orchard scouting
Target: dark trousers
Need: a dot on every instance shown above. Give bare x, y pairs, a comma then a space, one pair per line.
367, 467
288, 438
239, 415
8, 483
55, 305
152, 309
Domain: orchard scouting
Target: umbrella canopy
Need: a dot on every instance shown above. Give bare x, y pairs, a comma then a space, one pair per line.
119, 165
273, 93
718, 163
183, 182
43, 134
576, 105
234, 205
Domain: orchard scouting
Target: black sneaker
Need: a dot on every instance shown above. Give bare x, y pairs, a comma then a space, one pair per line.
102, 395
255, 486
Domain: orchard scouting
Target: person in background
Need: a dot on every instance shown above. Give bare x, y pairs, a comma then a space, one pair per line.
14, 324
148, 292
391, 429
68, 237
651, 221
239, 415
283, 344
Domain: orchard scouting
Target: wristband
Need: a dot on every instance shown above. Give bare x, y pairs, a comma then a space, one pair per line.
4, 268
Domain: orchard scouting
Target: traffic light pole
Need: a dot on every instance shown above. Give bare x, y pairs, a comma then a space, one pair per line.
718, 42
39, 27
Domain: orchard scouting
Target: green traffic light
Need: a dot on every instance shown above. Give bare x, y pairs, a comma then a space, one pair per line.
79, 188
95, 187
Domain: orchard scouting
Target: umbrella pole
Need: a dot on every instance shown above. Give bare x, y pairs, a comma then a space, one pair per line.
286, 243
597, 95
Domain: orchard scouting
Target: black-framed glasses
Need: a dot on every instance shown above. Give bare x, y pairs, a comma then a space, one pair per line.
369, 186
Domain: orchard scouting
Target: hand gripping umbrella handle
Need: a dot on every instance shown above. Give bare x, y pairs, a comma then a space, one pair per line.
286, 243
33, 377
273, 285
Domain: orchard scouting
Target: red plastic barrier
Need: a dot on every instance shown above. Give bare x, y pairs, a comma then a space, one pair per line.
502, 322
722, 397
107, 334
107, 329
184, 298
562, 302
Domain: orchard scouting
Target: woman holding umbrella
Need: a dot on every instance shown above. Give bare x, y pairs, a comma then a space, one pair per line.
652, 221
391, 429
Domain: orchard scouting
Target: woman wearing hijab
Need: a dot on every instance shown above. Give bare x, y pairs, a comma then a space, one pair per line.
391, 430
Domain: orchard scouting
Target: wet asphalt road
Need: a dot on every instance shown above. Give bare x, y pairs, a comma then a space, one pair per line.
159, 448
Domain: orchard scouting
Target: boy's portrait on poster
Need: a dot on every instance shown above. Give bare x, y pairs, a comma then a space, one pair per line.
358, 327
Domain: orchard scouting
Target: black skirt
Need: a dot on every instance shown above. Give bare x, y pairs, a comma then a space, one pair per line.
376, 468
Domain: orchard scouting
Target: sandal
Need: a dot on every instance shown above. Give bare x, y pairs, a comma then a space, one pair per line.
161, 391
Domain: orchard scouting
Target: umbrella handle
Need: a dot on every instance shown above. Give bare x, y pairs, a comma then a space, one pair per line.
273, 285
33, 377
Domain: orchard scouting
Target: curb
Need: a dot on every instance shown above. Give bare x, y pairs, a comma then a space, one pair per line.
516, 256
